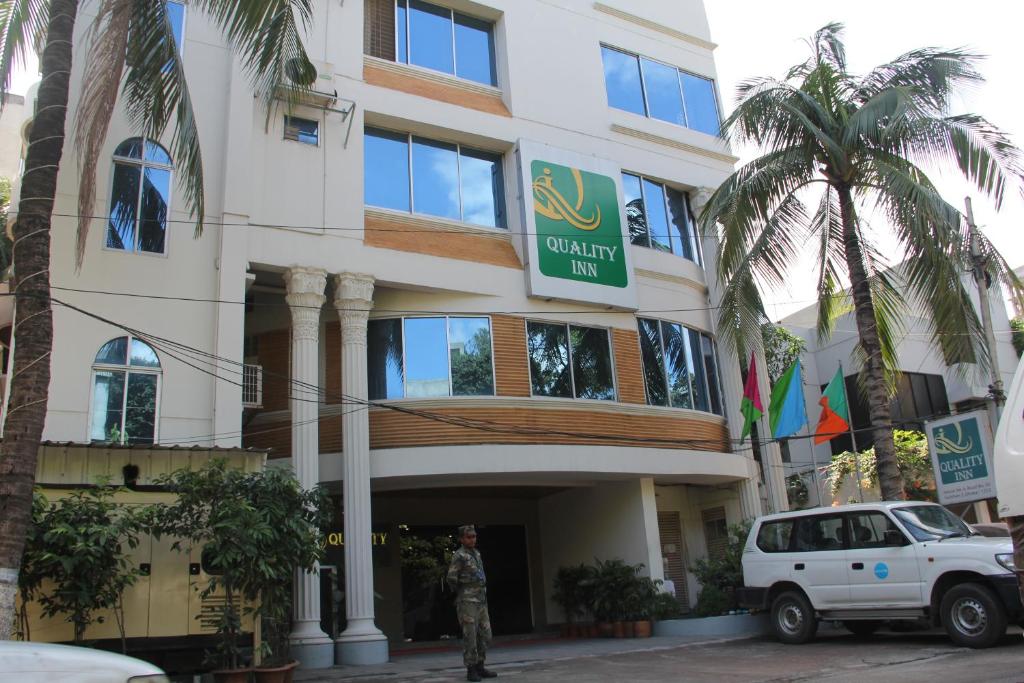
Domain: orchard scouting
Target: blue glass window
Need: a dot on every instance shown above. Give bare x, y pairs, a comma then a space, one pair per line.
447, 179
659, 217
443, 40
386, 169
663, 92
140, 197
664, 101
125, 392
680, 367
701, 105
570, 361
306, 131
474, 50
622, 80
426, 357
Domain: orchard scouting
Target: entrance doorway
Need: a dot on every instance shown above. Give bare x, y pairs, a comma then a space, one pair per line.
428, 609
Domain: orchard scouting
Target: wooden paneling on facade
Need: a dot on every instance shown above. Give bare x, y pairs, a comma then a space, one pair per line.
385, 232
407, 80
511, 368
629, 373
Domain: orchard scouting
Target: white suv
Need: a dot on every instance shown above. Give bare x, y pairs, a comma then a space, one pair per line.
874, 562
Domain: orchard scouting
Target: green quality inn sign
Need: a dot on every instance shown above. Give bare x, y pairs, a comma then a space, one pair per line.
961, 450
574, 242
579, 234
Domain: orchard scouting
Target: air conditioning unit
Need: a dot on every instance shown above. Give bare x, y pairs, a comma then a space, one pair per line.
309, 82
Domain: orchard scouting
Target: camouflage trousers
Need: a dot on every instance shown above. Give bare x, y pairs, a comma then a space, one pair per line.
476, 631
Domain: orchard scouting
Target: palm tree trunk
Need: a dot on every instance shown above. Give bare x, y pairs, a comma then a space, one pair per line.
873, 371
33, 322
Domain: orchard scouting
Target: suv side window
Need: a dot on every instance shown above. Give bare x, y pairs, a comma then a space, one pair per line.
774, 537
867, 529
819, 532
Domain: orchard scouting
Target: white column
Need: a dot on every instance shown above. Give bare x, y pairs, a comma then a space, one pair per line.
305, 296
729, 367
362, 642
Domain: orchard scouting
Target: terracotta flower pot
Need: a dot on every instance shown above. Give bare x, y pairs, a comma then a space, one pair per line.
605, 629
232, 675
642, 629
627, 627
619, 629
276, 674
591, 631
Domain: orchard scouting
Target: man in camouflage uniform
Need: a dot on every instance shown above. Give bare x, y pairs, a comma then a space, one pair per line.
467, 580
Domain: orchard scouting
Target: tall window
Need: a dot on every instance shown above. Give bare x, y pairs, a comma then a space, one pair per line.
660, 91
125, 392
176, 15
570, 361
140, 197
680, 367
409, 173
659, 217
424, 357
431, 36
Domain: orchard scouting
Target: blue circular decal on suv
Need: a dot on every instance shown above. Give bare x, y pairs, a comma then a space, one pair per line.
881, 570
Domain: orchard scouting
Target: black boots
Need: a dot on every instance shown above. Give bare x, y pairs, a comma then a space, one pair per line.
478, 673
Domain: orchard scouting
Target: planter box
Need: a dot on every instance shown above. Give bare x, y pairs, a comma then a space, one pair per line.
733, 625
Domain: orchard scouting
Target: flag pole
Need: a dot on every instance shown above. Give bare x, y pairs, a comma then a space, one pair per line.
853, 437
810, 441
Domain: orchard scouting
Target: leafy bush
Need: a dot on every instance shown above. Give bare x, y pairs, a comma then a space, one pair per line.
912, 458
665, 606
722, 574
1017, 335
573, 590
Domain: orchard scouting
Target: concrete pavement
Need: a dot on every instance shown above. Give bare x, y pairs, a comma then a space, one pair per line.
836, 657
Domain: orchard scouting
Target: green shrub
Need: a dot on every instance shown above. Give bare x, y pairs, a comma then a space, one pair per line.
724, 574
713, 601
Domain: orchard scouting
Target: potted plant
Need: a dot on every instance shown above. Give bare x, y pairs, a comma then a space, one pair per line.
294, 518
569, 592
213, 512
641, 600
611, 582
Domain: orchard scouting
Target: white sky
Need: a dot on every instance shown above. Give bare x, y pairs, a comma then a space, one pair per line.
766, 38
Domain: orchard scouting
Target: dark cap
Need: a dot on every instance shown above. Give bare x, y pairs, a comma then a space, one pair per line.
466, 529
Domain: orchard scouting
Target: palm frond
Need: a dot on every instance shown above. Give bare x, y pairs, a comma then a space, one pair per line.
156, 92
827, 224
106, 42
932, 74
22, 24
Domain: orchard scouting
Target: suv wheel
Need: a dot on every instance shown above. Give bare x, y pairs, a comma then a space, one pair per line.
973, 616
862, 628
793, 618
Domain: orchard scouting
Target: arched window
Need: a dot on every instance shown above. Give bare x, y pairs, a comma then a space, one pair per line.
140, 197
125, 392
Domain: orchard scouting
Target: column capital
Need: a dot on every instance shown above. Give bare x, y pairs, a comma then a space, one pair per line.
699, 199
305, 296
353, 299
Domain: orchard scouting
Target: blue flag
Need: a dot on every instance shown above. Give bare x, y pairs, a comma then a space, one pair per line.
786, 413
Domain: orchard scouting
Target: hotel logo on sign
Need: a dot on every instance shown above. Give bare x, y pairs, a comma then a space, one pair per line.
579, 232
960, 457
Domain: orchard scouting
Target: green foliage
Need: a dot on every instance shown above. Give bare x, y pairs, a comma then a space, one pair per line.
782, 348
32, 572
256, 529
1017, 328
424, 563
472, 372
912, 458
665, 606
722, 575
80, 543
573, 590
5, 242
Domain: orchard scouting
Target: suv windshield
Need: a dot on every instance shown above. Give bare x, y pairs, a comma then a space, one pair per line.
931, 522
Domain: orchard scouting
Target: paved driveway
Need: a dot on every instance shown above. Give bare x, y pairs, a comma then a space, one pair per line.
836, 658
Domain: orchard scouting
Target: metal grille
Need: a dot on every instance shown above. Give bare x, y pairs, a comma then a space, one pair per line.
379, 29
716, 532
252, 386
670, 532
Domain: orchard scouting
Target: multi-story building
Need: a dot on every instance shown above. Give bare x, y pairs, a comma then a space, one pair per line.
458, 283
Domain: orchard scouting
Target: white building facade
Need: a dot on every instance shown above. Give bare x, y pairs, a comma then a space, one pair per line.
461, 284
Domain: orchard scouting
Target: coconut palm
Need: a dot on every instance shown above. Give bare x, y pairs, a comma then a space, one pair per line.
856, 145
129, 51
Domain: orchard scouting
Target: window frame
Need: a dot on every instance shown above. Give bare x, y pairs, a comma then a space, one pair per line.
141, 165
572, 371
844, 544
447, 341
682, 93
664, 367
127, 369
455, 53
503, 204
284, 131
695, 244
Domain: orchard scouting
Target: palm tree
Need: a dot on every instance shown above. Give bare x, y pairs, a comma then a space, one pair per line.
858, 142
130, 48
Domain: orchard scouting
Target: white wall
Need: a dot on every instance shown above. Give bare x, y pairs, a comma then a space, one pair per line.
606, 521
